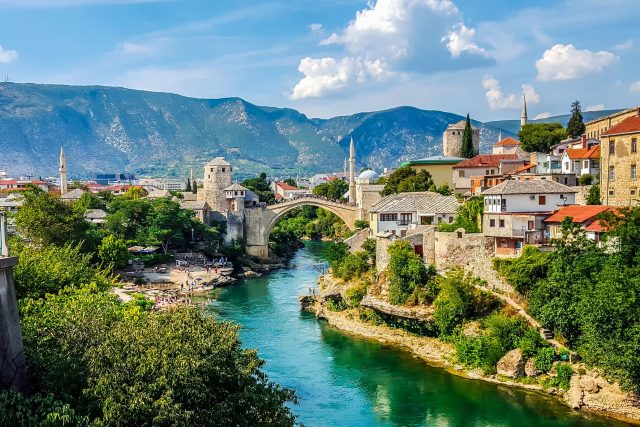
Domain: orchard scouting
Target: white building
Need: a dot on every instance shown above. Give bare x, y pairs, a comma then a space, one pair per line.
284, 191
581, 161
397, 213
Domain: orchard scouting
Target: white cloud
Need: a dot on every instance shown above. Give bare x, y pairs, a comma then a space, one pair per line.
595, 107
398, 37
635, 87
137, 48
544, 115
7, 56
325, 75
460, 40
565, 62
316, 28
497, 99
624, 46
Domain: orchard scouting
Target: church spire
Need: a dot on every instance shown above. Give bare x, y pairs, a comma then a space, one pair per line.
523, 116
352, 172
63, 171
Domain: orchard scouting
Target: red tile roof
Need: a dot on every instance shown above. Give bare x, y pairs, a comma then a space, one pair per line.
584, 153
596, 226
286, 186
628, 125
578, 213
482, 160
523, 168
507, 142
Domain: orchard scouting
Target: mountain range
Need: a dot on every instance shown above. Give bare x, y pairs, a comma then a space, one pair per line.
110, 129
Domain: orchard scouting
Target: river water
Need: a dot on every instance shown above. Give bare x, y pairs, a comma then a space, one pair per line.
342, 380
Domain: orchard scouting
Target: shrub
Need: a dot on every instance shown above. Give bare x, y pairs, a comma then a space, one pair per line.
370, 316
17, 409
564, 374
335, 304
356, 293
544, 359
406, 271
586, 179
113, 252
523, 272
530, 343
361, 224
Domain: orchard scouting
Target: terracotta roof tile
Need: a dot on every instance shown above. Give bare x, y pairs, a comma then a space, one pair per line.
482, 160
628, 125
523, 168
507, 142
578, 213
286, 186
584, 153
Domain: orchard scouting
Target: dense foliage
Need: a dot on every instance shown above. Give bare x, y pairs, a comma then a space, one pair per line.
588, 293
349, 265
406, 179
260, 186
593, 197
576, 126
467, 150
469, 217
333, 190
539, 137
407, 272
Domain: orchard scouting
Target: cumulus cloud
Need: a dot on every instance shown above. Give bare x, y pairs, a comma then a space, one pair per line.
544, 115
565, 62
7, 56
399, 36
325, 75
497, 99
624, 46
460, 40
595, 107
635, 87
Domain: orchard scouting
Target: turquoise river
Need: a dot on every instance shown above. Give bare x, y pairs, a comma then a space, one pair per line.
343, 380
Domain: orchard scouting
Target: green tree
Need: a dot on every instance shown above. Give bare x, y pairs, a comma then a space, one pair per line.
539, 137
576, 126
260, 186
182, 368
16, 409
167, 224
135, 193
195, 187
188, 189
113, 252
593, 197
291, 182
467, 150
406, 179
406, 271
45, 219
469, 217
333, 190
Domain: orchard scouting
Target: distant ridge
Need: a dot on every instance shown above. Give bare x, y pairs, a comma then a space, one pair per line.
109, 129
513, 126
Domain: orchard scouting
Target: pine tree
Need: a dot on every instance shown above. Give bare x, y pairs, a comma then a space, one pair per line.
188, 189
195, 187
576, 126
466, 150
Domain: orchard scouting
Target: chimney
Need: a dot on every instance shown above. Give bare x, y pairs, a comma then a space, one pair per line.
584, 140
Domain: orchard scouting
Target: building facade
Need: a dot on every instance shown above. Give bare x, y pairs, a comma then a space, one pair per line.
619, 163
595, 128
452, 139
439, 167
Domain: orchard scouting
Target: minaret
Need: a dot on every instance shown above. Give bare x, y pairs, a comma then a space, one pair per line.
500, 136
345, 168
352, 172
63, 172
523, 116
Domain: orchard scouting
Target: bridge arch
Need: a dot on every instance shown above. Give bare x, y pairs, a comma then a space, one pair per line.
260, 224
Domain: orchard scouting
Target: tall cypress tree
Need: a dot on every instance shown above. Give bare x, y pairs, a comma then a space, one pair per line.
188, 186
195, 187
576, 126
466, 150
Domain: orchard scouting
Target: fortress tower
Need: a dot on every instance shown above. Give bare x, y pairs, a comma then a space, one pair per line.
217, 177
452, 139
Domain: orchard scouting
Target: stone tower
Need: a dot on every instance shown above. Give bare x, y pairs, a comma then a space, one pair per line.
352, 172
63, 172
452, 139
217, 177
523, 116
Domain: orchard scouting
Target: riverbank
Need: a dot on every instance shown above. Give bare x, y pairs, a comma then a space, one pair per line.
589, 392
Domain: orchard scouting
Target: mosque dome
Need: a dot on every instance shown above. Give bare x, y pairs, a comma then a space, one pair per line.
369, 176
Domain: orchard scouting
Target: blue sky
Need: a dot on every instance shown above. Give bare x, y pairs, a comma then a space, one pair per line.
333, 57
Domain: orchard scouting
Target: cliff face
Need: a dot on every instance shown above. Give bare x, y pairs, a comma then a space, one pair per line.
107, 129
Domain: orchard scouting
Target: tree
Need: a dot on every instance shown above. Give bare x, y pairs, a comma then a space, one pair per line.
188, 189
539, 137
333, 190
593, 198
469, 217
406, 271
576, 126
406, 179
182, 367
135, 193
467, 150
113, 252
195, 187
167, 223
47, 220
291, 182
260, 186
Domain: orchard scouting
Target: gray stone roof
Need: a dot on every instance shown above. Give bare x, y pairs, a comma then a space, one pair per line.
95, 214
195, 205
218, 161
534, 186
460, 125
188, 196
235, 187
250, 196
74, 194
158, 194
421, 202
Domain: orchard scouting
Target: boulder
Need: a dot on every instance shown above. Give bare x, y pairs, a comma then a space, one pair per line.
512, 364
530, 368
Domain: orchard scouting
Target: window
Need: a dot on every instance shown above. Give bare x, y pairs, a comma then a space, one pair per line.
611, 193
426, 220
542, 200
634, 145
222, 169
531, 225
502, 223
566, 180
612, 173
586, 164
450, 220
405, 218
461, 173
632, 192
388, 217
212, 169
633, 174
612, 147
492, 223
566, 165
486, 172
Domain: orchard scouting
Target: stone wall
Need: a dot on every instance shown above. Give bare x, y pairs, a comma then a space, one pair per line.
581, 195
12, 366
355, 242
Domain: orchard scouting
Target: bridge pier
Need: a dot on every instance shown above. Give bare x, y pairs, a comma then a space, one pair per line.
258, 251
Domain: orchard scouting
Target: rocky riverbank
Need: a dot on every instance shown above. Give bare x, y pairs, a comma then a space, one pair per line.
589, 390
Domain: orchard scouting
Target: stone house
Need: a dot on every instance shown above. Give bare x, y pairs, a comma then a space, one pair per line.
620, 159
514, 212
284, 191
483, 165
398, 213
595, 128
581, 161
439, 167
584, 216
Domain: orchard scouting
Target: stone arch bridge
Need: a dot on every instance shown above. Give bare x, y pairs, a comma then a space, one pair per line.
260, 221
